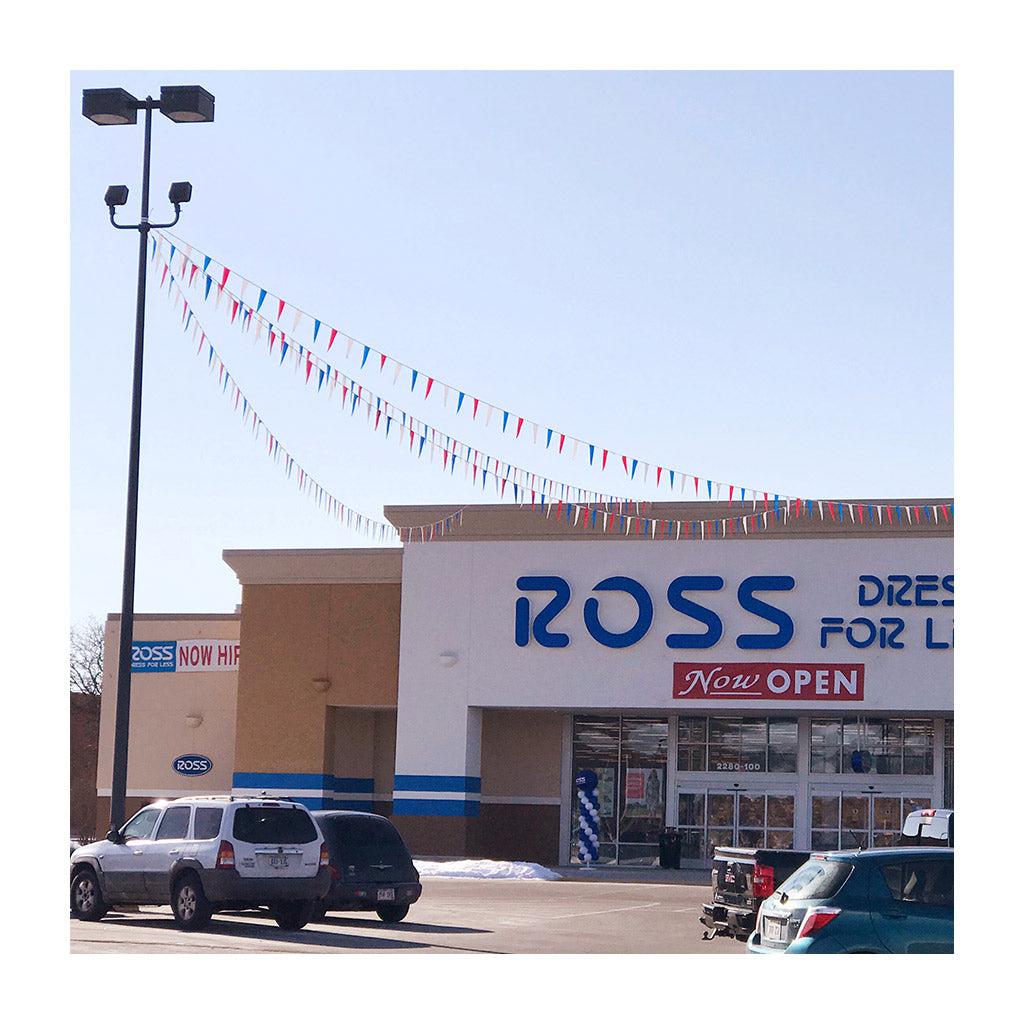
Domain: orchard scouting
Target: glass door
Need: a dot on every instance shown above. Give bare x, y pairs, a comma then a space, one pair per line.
760, 818
857, 819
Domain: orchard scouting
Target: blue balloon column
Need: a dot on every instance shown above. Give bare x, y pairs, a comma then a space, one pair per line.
590, 815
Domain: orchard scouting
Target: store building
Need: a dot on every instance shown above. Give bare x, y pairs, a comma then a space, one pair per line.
791, 687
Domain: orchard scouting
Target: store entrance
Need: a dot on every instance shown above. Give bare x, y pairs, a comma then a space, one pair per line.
849, 818
761, 816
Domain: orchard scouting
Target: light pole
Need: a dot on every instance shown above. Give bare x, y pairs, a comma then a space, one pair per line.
181, 103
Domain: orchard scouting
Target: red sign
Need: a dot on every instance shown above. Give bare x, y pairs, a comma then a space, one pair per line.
767, 681
635, 784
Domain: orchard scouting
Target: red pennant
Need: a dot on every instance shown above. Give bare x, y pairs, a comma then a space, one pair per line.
696, 485
730, 500
945, 514
519, 426
444, 455
657, 476
330, 340
224, 277
917, 513
192, 273
376, 422
561, 444
604, 458
832, 511
309, 367
860, 514
280, 308
430, 384
234, 309
163, 276
383, 360
625, 465
476, 402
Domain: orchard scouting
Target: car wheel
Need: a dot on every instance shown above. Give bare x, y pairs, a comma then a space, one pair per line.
393, 913
293, 915
86, 899
192, 910
320, 909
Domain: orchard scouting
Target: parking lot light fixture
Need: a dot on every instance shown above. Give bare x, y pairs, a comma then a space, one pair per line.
110, 106
186, 103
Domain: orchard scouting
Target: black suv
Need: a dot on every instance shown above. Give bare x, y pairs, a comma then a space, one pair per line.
369, 864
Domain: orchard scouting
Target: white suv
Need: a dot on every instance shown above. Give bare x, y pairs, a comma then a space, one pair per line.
206, 854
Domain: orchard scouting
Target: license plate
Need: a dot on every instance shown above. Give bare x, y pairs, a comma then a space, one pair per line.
385, 894
772, 929
279, 862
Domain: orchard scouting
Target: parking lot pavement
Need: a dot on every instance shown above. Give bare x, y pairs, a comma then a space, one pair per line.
453, 915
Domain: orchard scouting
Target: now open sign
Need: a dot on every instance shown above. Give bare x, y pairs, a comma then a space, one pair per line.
767, 681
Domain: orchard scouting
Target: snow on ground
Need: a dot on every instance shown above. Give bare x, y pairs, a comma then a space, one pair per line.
485, 869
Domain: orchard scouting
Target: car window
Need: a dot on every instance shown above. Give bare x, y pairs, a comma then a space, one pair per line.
174, 823
928, 882
207, 822
141, 826
362, 831
274, 825
818, 879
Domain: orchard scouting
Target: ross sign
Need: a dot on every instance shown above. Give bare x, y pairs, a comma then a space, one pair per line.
767, 681
192, 764
184, 655
154, 655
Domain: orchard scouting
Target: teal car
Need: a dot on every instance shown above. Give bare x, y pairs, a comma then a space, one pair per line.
893, 900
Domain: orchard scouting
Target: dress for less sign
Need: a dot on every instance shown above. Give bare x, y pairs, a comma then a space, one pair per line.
184, 655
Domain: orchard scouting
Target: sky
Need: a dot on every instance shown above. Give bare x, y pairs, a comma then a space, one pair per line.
745, 276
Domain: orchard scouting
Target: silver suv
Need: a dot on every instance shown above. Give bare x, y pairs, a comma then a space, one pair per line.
205, 854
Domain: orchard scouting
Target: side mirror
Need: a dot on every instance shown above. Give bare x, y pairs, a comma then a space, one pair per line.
113, 836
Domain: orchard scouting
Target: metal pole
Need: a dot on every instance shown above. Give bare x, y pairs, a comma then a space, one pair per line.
119, 782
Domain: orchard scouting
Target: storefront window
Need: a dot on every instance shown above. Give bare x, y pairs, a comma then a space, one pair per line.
880, 746
947, 771
629, 757
643, 756
737, 744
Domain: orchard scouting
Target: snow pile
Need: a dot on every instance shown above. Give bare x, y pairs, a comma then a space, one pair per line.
520, 870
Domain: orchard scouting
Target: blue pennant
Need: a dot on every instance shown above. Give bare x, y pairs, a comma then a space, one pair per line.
263, 295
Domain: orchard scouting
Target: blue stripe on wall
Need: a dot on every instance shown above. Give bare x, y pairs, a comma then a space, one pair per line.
437, 808
280, 780
438, 783
300, 780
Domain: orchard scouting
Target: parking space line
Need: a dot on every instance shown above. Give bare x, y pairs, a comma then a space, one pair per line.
594, 913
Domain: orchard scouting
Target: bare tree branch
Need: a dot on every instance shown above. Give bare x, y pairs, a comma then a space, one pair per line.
87, 657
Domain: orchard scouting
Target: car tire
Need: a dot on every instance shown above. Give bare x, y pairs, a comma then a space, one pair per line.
293, 915
87, 903
192, 910
320, 909
393, 913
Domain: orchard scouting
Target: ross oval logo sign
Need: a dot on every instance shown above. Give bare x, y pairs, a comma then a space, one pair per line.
192, 764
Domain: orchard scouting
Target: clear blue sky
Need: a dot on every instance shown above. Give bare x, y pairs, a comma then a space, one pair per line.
745, 275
